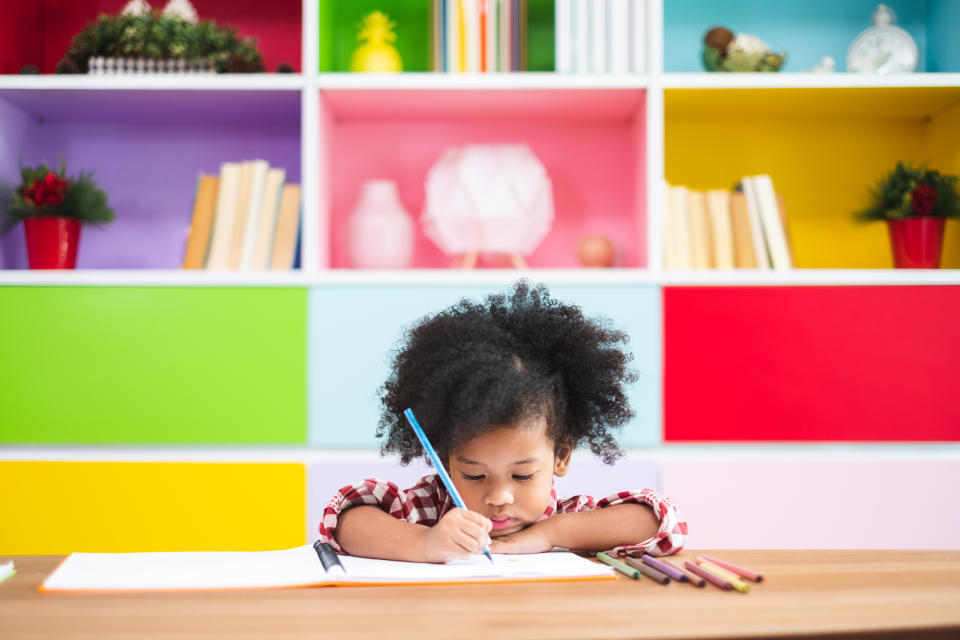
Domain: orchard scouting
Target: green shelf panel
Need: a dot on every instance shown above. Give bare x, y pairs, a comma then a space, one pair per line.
152, 365
338, 21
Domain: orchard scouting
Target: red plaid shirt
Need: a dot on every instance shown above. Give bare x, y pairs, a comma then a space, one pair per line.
427, 501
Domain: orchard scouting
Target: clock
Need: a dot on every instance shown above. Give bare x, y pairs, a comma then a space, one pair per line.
883, 48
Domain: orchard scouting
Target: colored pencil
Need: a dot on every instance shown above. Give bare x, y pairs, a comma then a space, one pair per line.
692, 578
712, 578
663, 567
619, 566
732, 578
438, 465
647, 570
743, 572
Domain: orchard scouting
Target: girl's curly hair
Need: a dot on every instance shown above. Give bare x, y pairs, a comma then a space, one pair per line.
474, 367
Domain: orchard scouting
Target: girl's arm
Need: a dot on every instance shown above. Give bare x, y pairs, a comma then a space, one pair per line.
593, 530
370, 532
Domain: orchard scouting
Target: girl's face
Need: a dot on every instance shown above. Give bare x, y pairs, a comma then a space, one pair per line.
507, 474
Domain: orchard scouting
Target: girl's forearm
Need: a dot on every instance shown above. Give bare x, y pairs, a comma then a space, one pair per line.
601, 529
370, 532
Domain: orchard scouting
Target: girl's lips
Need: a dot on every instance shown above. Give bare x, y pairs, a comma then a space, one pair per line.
503, 523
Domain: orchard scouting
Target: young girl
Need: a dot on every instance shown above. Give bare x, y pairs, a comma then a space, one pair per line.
505, 390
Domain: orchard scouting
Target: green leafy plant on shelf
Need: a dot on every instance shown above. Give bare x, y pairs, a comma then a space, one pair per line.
155, 36
908, 192
44, 192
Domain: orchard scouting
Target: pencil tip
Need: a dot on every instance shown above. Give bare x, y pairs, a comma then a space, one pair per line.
489, 556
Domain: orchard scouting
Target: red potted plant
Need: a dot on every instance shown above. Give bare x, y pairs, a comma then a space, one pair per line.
915, 203
52, 207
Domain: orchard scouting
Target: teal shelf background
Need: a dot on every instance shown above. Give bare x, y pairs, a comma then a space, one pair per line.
353, 330
807, 31
143, 365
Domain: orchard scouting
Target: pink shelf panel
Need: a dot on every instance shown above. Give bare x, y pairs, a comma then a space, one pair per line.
592, 143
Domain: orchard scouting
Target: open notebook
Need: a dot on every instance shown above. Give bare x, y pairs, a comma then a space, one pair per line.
301, 567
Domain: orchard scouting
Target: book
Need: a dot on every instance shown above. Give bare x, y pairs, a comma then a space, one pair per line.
258, 181
288, 219
204, 208
505, 13
618, 42
679, 227
470, 13
226, 212
770, 221
638, 36
701, 250
581, 39
781, 208
563, 41
743, 256
756, 228
270, 207
718, 208
598, 36
301, 567
244, 190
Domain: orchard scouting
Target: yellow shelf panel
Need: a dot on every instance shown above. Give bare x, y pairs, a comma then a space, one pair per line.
62, 507
822, 157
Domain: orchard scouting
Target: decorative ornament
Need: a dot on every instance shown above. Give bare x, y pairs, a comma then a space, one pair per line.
182, 9
488, 199
595, 250
135, 8
826, 65
883, 48
376, 54
725, 51
380, 231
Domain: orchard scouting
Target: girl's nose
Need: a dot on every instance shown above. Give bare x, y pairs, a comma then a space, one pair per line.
499, 495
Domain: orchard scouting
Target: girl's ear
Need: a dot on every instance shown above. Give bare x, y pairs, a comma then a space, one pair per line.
562, 459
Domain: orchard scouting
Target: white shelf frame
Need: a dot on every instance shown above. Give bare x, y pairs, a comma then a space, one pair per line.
309, 83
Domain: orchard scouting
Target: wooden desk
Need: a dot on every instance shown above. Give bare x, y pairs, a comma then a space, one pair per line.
827, 594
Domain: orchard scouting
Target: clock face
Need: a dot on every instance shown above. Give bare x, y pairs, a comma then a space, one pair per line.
883, 50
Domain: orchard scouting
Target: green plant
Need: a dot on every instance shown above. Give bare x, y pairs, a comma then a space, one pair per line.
45, 192
156, 36
909, 192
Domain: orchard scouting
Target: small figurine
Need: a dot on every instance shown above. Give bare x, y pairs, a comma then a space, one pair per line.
595, 250
376, 55
725, 51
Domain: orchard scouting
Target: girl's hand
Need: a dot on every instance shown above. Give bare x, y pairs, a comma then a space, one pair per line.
533, 539
458, 534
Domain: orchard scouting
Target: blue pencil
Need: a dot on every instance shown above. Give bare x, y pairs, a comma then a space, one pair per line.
441, 471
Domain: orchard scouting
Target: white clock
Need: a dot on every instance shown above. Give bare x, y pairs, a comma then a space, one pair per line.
883, 48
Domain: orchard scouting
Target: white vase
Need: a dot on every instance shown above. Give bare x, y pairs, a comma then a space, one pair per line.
380, 231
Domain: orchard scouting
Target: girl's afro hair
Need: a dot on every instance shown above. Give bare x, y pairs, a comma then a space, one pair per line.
474, 367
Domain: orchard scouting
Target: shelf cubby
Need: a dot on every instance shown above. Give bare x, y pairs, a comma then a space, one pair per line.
38, 32
592, 143
146, 149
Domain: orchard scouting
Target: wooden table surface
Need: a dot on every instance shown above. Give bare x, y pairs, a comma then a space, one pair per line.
821, 593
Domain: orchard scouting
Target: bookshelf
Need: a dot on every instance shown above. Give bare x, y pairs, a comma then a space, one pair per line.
608, 140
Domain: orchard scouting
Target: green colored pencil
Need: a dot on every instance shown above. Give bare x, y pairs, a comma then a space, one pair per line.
622, 567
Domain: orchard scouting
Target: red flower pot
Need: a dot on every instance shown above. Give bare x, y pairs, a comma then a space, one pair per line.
916, 242
52, 242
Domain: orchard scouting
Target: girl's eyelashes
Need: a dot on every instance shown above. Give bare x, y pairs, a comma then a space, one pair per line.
517, 476
474, 478
521, 477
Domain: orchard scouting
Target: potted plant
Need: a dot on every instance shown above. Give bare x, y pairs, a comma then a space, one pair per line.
52, 208
915, 203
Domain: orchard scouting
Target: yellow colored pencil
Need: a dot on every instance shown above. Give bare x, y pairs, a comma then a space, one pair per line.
732, 578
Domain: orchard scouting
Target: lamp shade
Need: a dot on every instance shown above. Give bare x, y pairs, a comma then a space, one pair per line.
487, 199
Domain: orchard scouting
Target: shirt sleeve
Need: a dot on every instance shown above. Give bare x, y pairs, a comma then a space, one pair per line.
669, 538
423, 503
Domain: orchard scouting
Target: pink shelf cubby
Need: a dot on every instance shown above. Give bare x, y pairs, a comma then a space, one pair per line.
592, 142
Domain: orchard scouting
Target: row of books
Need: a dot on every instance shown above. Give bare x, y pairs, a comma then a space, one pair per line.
246, 218
479, 36
716, 229
600, 36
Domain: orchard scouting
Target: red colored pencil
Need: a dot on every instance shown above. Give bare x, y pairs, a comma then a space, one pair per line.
743, 572
710, 577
